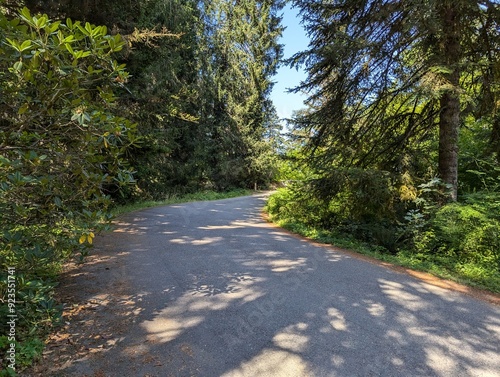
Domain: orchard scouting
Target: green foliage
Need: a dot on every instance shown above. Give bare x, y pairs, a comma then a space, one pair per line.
199, 86
384, 77
62, 150
292, 166
362, 203
470, 231
479, 167
240, 54
163, 98
389, 86
291, 203
26, 352
199, 89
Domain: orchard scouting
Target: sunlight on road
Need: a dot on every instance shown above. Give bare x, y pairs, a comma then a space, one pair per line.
445, 354
272, 362
253, 223
277, 265
337, 319
397, 294
196, 305
291, 338
195, 242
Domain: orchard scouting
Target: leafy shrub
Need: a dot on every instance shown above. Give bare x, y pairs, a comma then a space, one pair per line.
295, 204
479, 168
363, 203
468, 231
61, 150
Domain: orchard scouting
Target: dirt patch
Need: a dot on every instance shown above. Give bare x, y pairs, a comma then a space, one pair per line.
98, 307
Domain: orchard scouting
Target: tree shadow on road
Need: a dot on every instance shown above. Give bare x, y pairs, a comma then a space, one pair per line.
209, 289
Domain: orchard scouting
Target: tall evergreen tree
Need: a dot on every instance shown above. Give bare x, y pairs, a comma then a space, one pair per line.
243, 52
381, 73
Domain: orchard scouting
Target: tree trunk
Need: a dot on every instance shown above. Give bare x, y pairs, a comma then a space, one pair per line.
449, 121
448, 140
495, 136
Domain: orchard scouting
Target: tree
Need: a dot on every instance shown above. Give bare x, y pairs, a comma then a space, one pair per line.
199, 86
165, 99
241, 41
381, 73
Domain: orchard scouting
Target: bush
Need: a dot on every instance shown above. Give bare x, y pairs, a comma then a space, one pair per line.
61, 150
468, 231
364, 203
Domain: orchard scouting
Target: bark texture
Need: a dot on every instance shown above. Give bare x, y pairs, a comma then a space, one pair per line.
449, 122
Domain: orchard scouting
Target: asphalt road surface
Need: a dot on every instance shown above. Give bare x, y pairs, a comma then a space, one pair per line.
210, 289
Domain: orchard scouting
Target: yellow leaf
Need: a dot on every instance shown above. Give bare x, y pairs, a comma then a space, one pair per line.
89, 239
82, 239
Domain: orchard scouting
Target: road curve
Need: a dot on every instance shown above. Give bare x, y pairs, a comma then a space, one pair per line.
210, 289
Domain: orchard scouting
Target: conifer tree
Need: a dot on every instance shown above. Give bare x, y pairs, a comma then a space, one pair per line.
241, 39
382, 74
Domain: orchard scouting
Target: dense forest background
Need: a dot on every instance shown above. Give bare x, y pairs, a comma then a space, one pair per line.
101, 103
200, 76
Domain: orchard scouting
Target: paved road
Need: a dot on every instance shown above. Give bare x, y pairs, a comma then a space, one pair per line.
210, 289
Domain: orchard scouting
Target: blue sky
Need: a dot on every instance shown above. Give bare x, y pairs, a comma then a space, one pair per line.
294, 40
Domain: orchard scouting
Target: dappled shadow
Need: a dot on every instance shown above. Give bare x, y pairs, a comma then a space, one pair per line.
210, 289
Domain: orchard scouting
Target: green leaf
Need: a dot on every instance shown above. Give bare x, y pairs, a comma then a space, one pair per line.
41, 22
5, 161
13, 44
18, 66
54, 26
69, 48
14, 22
57, 201
476, 172
26, 13
85, 32
25, 45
